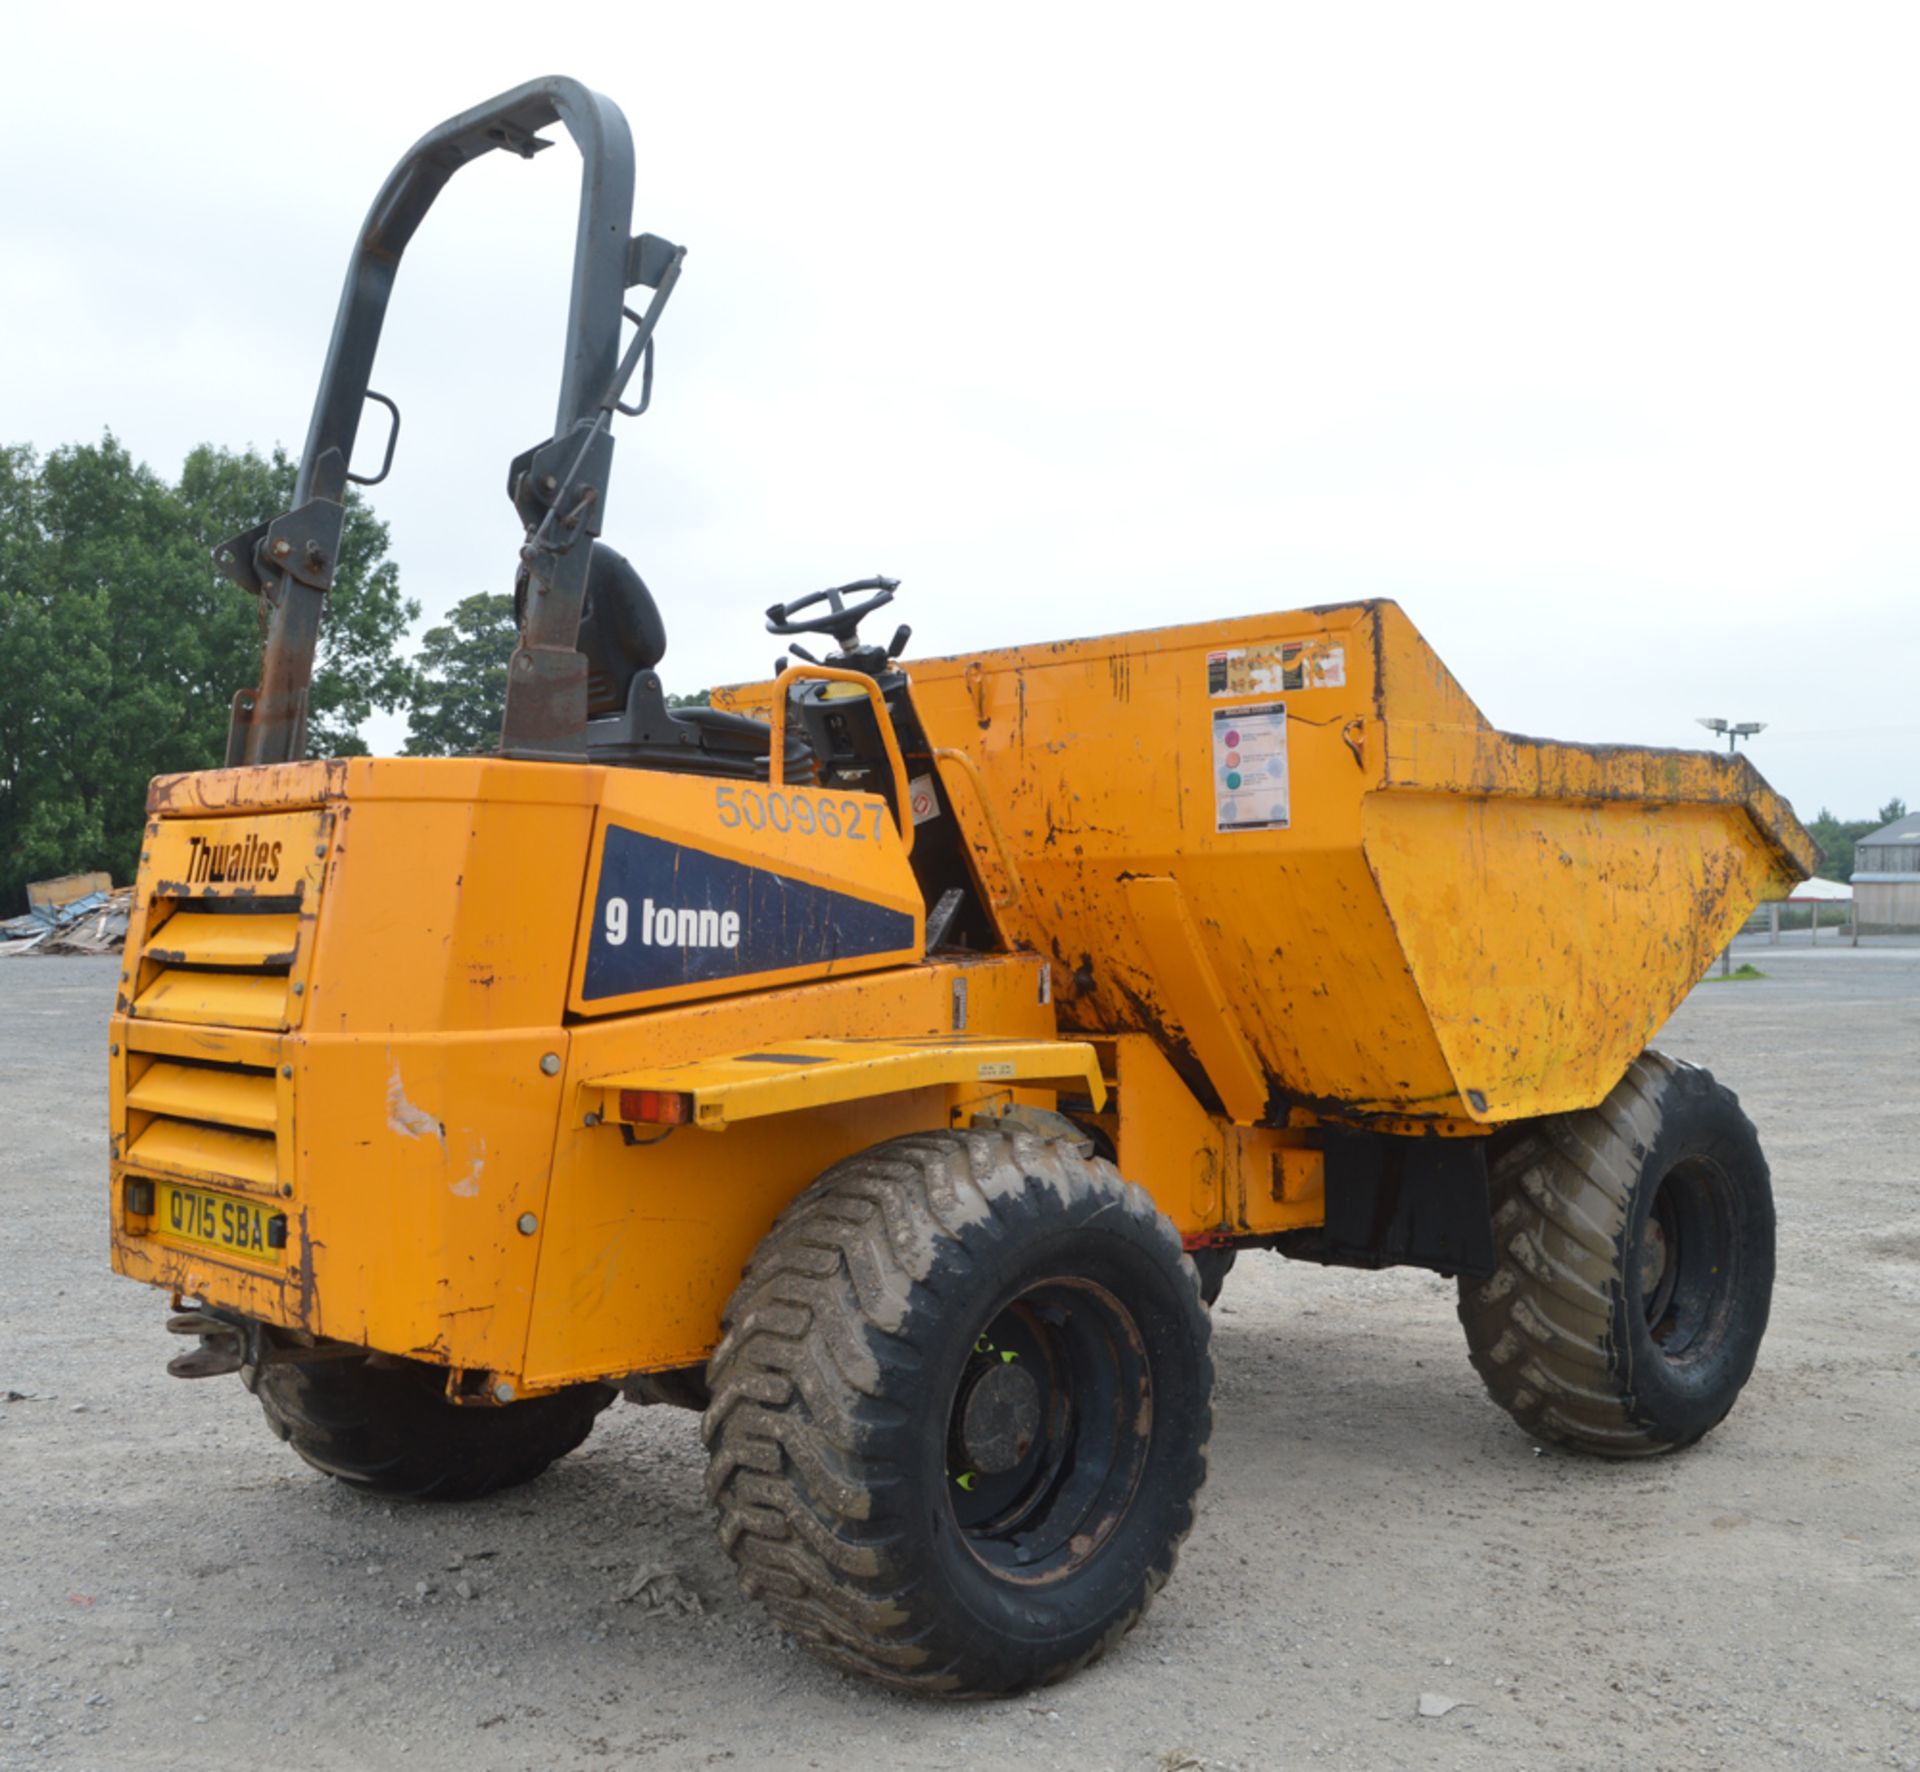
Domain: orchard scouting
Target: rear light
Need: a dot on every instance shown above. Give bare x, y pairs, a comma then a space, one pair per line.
655, 1107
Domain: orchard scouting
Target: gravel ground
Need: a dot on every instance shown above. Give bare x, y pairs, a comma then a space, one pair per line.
177, 1590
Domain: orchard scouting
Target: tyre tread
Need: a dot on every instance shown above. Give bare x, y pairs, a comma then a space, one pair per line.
1541, 1330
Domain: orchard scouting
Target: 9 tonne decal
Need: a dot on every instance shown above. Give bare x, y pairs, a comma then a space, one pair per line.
667, 915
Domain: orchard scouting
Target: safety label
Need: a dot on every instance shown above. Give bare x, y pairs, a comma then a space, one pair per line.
1250, 767
922, 801
1263, 670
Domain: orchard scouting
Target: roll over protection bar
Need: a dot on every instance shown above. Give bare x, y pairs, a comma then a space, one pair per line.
559, 487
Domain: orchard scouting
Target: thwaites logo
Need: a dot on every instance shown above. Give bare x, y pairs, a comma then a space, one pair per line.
246, 861
666, 915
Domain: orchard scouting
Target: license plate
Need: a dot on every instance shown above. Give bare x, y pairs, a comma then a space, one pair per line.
219, 1221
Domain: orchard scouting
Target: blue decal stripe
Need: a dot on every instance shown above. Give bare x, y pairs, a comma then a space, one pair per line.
668, 915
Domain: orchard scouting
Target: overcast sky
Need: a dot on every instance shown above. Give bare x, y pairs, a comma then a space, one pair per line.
1587, 334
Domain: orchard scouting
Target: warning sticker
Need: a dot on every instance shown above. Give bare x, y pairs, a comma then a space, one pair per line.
1263, 670
922, 799
1250, 768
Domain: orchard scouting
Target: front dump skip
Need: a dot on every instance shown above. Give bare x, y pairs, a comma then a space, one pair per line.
1293, 851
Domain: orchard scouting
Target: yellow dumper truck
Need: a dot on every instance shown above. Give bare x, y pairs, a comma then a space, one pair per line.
891, 1061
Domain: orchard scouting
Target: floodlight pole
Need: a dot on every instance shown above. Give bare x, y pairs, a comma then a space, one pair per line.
1733, 730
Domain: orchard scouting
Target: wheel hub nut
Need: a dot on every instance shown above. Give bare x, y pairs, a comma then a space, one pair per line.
1001, 1418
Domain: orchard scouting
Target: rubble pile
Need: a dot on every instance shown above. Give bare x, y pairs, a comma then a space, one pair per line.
95, 923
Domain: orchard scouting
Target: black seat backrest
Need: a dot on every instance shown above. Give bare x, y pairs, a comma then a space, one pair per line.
621, 632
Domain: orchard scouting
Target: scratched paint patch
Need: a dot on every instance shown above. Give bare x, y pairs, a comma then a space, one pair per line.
1265, 670
1250, 768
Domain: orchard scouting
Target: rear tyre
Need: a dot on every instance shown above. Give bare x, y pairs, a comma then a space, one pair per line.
388, 1429
960, 1412
1635, 1244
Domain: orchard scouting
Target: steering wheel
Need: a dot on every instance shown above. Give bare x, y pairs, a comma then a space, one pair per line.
839, 620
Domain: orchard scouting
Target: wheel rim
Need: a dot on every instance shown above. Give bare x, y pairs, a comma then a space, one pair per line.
1686, 1262
1048, 1430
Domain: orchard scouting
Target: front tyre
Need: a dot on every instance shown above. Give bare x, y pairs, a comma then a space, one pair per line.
960, 1412
1635, 1245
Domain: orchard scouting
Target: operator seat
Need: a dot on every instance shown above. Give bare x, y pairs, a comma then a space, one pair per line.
629, 724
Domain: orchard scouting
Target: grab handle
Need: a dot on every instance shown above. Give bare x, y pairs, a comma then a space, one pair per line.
777, 756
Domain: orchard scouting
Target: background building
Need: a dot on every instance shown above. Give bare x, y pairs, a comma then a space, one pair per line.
1886, 876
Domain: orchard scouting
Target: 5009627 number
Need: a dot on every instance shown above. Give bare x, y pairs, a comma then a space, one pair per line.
764, 809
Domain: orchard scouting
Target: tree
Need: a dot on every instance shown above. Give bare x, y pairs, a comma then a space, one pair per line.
358, 666
1891, 813
120, 648
462, 679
